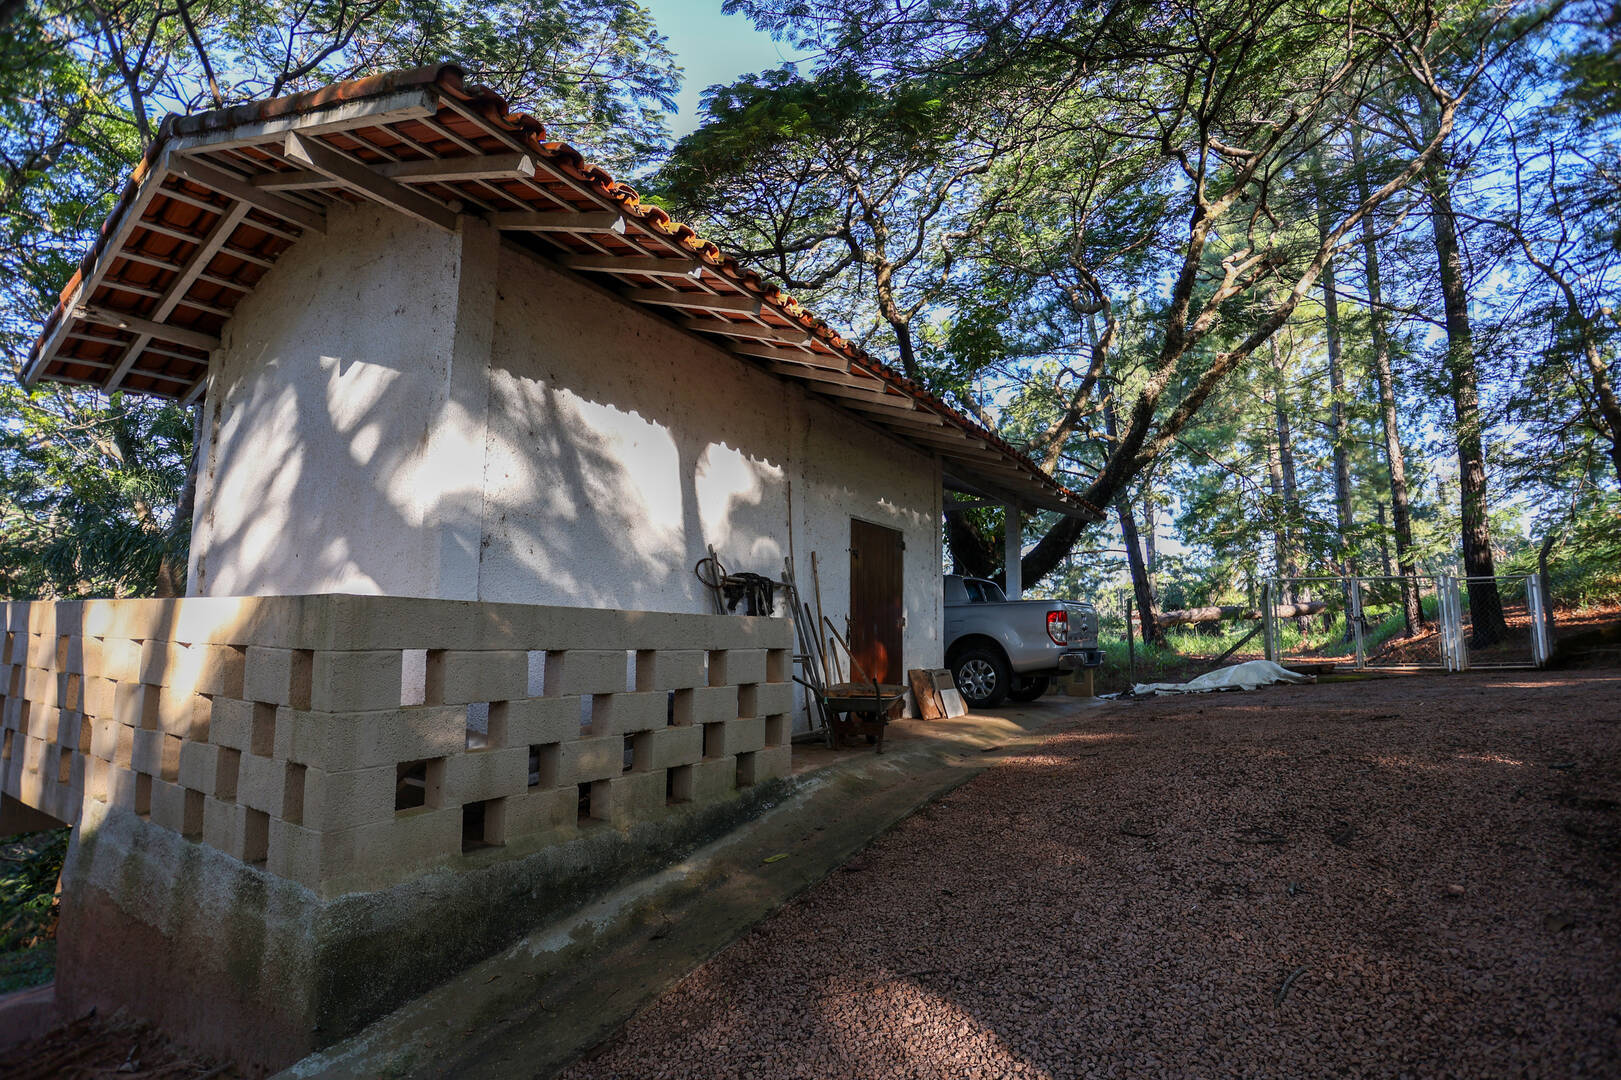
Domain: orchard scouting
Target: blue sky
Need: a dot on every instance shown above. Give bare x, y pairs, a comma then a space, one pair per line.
711, 48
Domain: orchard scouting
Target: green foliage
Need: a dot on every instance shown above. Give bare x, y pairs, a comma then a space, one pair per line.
88, 490
29, 867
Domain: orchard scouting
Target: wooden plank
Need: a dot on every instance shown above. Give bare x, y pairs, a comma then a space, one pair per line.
635, 264
558, 221
951, 701
414, 104
749, 305
194, 339
924, 693
196, 390
789, 334
822, 375
364, 180
238, 188
433, 170
127, 361
916, 420
867, 397
828, 361
208, 245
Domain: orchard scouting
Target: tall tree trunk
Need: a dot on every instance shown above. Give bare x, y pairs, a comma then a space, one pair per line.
1280, 520
1337, 425
1485, 605
1395, 458
1139, 573
1384, 544
1295, 591
1134, 553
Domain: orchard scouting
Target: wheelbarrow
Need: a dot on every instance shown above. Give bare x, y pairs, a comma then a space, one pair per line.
867, 704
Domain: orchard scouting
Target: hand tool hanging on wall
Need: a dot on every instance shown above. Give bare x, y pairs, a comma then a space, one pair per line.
756, 593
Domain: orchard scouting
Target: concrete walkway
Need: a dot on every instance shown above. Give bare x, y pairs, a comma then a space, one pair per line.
562, 990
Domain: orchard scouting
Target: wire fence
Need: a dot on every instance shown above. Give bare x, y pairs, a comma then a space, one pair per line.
1433, 621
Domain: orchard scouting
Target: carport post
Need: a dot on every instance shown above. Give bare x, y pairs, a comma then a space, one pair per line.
1012, 552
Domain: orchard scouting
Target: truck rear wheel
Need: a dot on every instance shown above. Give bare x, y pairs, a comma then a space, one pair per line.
983, 676
1028, 689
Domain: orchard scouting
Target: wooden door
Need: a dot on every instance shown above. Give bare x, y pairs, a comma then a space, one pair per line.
876, 607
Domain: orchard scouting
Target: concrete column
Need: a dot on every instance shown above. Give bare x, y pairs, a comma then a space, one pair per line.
1013, 551
453, 467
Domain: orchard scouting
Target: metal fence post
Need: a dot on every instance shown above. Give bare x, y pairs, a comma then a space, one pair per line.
1541, 646
1269, 621
1452, 622
1355, 615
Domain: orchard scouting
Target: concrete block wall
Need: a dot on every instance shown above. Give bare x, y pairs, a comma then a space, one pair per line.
351, 743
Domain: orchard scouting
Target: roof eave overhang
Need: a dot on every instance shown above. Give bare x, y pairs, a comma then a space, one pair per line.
219, 196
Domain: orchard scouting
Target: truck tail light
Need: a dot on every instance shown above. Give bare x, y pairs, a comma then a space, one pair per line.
1058, 627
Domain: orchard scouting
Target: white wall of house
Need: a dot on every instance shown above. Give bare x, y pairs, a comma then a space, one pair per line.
402, 411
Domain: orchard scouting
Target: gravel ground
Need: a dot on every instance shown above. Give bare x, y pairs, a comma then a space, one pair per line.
1415, 877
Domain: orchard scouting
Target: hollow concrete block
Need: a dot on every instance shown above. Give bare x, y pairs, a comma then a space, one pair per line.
621, 714
633, 797
763, 765
336, 801
542, 810
343, 741
278, 676
670, 669
99, 694
459, 677
588, 759
199, 766
669, 747
737, 666
230, 723
169, 808
121, 659
358, 680
486, 774
585, 671
181, 712
533, 721
706, 705
295, 853
738, 736
713, 781
136, 704
262, 784
771, 698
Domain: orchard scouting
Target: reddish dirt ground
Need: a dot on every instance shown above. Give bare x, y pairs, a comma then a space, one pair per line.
1405, 877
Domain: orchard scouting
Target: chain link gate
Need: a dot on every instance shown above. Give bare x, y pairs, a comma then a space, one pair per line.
1422, 622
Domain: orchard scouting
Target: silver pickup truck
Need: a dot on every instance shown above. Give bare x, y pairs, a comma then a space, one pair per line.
998, 648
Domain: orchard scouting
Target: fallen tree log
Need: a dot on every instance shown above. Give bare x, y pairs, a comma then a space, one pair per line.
1236, 611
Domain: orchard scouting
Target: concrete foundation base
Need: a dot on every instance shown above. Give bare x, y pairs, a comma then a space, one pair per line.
251, 967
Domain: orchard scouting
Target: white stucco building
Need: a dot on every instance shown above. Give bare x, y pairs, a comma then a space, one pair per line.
439, 356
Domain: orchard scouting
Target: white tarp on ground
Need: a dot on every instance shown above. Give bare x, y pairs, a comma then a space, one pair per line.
1246, 676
